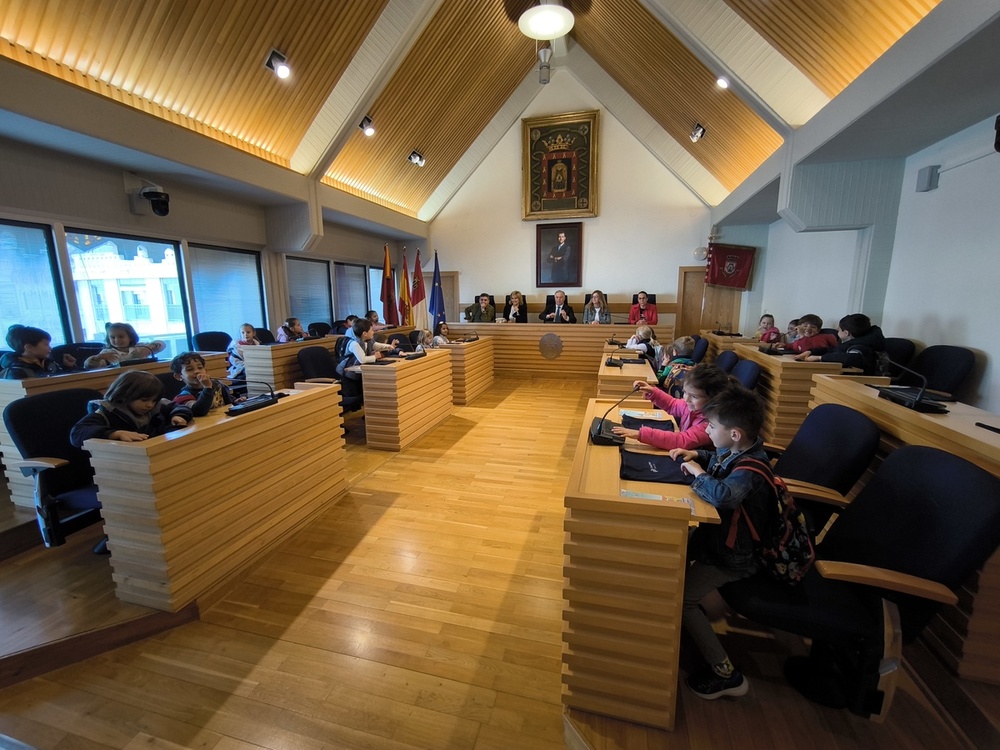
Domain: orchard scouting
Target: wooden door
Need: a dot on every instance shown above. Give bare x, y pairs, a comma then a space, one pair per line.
449, 287
701, 306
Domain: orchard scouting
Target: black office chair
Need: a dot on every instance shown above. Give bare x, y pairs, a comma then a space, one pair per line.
65, 493
747, 373
171, 385
524, 300
319, 365
831, 331
650, 298
401, 341
900, 351
827, 456
726, 360
264, 335
414, 335
212, 341
945, 367
700, 350
926, 513
339, 327
80, 351
318, 330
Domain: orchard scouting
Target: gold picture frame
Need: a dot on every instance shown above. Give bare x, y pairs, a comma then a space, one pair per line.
559, 166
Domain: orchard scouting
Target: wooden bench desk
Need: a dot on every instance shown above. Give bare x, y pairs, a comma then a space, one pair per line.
624, 581
615, 382
187, 512
471, 369
718, 344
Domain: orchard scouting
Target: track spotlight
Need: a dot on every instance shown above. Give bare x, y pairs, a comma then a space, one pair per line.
276, 62
366, 126
698, 133
416, 158
544, 69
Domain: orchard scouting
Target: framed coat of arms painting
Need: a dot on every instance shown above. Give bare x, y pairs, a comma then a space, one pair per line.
560, 166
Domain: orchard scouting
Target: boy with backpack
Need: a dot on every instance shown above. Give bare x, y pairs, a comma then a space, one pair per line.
734, 479
671, 376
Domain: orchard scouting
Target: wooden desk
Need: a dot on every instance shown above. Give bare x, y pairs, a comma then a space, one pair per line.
549, 350
718, 344
615, 382
21, 488
965, 636
785, 385
471, 369
624, 579
406, 399
188, 511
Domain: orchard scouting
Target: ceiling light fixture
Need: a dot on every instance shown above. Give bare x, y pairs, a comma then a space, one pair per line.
366, 126
722, 82
546, 21
416, 158
698, 133
276, 62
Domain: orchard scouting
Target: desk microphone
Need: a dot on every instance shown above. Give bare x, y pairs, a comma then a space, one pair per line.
255, 402
917, 402
597, 434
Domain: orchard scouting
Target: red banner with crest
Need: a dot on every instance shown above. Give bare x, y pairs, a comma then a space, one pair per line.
729, 265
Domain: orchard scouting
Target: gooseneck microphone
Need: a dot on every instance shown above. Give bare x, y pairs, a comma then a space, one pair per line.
601, 436
256, 402
904, 398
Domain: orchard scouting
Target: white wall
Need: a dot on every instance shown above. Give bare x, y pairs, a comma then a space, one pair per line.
945, 274
807, 272
648, 225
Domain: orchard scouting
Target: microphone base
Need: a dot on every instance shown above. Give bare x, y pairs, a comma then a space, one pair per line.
599, 436
924, 407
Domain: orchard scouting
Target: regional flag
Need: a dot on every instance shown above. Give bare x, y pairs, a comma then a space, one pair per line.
405, 311
729, 265
418, 297
388, 296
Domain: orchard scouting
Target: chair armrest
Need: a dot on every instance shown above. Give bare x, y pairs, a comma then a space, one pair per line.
817, 493
31, 466
773, 451
886, 579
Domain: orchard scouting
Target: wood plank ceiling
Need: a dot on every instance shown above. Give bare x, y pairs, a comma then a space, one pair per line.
200, 64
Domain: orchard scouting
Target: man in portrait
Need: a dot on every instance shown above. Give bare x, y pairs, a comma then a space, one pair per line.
560, 260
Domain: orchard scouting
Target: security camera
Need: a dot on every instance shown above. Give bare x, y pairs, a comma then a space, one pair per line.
159, 201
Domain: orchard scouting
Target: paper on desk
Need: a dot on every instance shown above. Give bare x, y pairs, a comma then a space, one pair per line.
650, 496
641, 414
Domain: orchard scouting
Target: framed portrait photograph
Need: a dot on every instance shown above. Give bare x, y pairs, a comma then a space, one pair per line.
559, 255
560, 166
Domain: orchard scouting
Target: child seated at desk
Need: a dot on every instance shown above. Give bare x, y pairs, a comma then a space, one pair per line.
290, 330
201, 393
862, 345
702, 383
767, 332
643, 341
29, 357
424, 341
132, 410
248, 337
122, 343
441, 334
678, 364
810, 336
362, 349
733, 479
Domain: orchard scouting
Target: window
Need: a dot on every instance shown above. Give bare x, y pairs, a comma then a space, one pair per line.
309, 290
227, 289
28, 281
351, 297
128, 279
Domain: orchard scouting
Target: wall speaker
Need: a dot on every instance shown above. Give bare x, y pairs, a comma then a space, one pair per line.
927, 178
996, 141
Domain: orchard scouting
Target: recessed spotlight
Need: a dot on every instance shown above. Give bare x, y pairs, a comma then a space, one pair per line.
276, 62
416, 158
366, 126
698, 133
722, 82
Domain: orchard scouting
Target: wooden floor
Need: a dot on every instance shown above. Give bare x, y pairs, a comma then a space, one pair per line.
421, 611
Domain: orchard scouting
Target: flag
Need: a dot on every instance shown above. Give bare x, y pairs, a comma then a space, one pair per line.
418, 297
436, 306
388, 296
729, 265
405, 311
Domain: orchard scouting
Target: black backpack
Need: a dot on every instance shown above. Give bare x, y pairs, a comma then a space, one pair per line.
785, 545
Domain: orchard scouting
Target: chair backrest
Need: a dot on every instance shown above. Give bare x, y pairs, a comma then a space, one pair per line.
171, 385
832, 448
339, 327
212, 341
747, 373
401, 341
727, 360
264, 335
317, 362
40, 425
651, 298
700, 349
945, 367
80, 350
550, 299
925, 513
414, 335
524, 299
831, 331
900, 350
319, 329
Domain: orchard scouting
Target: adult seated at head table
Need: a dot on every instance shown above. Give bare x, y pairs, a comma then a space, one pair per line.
481, 311
557, 311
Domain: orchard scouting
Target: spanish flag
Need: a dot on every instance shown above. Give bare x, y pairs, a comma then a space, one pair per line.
405, 311
388, 296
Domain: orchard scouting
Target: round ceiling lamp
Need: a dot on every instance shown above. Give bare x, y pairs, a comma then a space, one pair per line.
545, 22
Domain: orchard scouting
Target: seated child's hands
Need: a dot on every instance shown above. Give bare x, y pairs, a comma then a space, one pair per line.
683, 454
625, 432
126, 436
178, 421
69, 361
205, 379
642, 386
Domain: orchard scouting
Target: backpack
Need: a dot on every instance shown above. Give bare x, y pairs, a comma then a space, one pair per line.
786, 546
671, 377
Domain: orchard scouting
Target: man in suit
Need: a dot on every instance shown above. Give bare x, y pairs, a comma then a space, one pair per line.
482, 312
558, 311
560, 259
